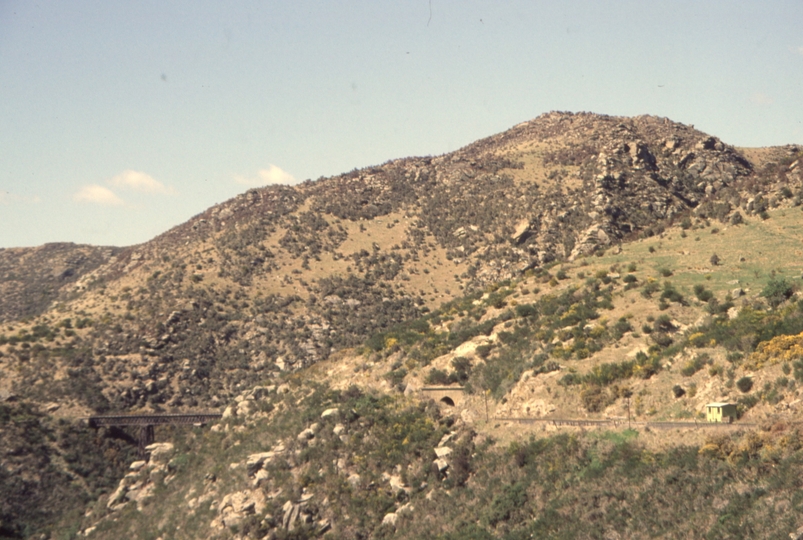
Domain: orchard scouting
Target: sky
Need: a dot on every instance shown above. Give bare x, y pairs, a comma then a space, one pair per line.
119, 120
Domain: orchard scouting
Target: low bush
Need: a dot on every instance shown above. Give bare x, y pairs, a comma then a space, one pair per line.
671, 294
702, 294
695, 364
745, 384
777, 291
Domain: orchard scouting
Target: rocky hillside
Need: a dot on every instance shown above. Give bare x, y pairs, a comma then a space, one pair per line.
31, 279
279, 278
576, 265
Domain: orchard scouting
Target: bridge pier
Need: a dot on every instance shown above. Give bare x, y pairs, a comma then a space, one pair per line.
145, 438
146, 422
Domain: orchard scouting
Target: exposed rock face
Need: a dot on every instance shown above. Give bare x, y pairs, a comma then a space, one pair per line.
139, 484
235, 507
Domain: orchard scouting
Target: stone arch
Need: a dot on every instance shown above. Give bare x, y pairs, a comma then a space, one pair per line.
448, 395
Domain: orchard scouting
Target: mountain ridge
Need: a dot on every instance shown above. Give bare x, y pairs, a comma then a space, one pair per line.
347, 256
555, 267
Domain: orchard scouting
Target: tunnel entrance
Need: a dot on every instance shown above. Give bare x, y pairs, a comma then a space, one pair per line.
448, 395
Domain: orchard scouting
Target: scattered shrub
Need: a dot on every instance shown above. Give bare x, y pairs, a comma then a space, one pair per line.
745, 384
595, 398
663, 324
695, 364
702, 294
672, 294
437, 377
650, 287
526, 310
777, 291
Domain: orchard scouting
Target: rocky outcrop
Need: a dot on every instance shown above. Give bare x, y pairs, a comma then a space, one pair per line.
235, 507
139, 484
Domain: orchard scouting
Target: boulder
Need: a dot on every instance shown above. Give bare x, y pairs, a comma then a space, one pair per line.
397, 484
160, 452
52, 407
260, 476
330, 413
261, 392
446, 438
236, 506
118, 497
290, 516
255, 462
246, 407
522, 232
305, 435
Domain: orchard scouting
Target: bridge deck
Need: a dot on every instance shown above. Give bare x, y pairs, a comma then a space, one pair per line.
151, 419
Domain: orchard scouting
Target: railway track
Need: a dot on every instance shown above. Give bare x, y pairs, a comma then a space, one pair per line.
573, 422
151, 419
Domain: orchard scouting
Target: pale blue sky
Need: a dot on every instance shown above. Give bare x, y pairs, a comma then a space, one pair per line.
121, 119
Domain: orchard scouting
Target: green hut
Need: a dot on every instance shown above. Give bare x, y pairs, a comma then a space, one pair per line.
720, 412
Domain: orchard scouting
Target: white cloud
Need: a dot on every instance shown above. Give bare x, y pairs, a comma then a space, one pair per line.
761, 99
96, 194
11, 198
139, 181
799, 50
265, 177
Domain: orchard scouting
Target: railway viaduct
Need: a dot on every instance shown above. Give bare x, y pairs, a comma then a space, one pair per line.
147, 421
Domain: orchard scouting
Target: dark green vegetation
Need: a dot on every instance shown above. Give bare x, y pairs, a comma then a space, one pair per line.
564, 326
569, 316
50, 471
591, 486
